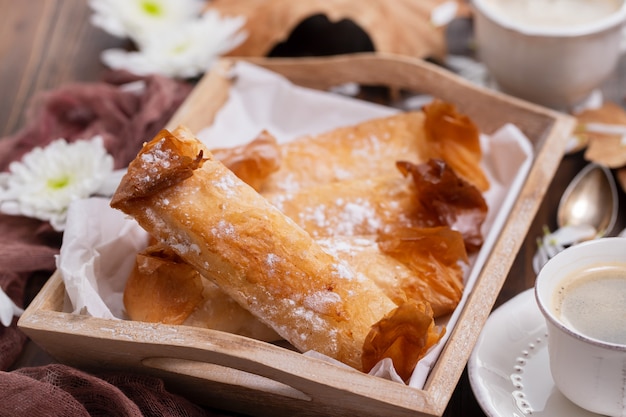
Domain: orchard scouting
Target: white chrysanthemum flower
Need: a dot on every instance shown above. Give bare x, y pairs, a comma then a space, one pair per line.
186, 52
133, 18
555, 242
444, 13
8, 309
44, 183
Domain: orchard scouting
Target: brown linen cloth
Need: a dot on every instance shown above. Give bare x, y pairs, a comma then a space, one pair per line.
125, 119
59, 390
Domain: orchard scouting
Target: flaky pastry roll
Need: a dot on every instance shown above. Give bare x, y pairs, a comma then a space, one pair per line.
191, 202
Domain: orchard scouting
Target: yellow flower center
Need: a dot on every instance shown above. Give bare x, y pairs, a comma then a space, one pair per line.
152, 8
180, 48
58, 183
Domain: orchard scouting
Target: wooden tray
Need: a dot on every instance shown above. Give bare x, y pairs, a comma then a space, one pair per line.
257, 378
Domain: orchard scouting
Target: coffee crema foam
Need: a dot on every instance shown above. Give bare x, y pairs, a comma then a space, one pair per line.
592, 301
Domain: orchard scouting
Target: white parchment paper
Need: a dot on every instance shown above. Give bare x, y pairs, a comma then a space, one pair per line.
99, 243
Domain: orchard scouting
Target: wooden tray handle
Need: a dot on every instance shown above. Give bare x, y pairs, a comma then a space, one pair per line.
224, 375
204, 360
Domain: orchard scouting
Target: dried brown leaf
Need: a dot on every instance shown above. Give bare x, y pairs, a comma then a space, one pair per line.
604, 149
399, 26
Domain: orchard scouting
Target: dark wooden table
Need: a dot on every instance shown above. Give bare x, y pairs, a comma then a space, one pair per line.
48, 43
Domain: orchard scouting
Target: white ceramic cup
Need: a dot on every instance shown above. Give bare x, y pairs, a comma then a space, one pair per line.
589, 372
557, 67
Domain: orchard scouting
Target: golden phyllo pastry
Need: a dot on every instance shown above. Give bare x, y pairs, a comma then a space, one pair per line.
189, 201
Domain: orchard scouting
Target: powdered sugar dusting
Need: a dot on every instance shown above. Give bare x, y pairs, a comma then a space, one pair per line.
224, 229
227, 184
322, 301
315, 325
289, 183
342, 174
177, 240
346, 218
359, 212
337, 245
271, 260
183, 248
279, 200
371, 145
342, 270
156, 160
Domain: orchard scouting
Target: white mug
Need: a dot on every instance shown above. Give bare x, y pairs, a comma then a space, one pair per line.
589, 370
556, 66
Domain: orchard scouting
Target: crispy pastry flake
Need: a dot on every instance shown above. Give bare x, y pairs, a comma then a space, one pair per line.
448, 200
404, 335
254, 161
434, 254
162, 288
160, 278
165, 151
455, 138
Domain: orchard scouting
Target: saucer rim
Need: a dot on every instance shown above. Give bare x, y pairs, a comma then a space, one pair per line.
482, 387
482, 395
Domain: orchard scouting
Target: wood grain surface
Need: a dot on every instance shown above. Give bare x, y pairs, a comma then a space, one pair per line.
47, 43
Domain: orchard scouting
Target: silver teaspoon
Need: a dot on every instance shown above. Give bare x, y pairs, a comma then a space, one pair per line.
590, 199
588, 209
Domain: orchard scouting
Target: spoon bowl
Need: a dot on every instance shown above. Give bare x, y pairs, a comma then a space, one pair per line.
590, 199
587, 210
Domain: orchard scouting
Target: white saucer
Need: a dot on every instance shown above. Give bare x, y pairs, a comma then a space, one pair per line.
509, 368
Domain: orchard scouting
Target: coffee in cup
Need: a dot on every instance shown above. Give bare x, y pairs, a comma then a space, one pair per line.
581, 293
592, 301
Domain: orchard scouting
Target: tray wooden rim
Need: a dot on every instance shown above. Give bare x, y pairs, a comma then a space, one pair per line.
44, 322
